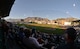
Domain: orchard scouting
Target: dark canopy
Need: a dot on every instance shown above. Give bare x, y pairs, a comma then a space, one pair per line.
5, 7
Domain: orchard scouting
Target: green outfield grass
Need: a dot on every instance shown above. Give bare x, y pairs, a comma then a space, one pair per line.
46, 28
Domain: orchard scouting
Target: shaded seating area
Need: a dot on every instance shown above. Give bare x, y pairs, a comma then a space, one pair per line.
13, 37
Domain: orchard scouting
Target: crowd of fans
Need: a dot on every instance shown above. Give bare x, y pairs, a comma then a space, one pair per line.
20, 37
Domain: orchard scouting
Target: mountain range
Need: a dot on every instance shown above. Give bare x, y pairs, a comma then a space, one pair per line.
29, 19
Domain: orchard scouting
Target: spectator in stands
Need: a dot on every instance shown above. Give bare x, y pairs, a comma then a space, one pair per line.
57, 40
5, 26
31, 42
34, 32
40, 40
70, 36
21, 33
4, 32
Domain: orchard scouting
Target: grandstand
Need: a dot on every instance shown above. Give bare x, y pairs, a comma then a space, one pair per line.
13, 36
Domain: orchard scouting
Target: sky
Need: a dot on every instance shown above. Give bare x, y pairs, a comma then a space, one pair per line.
50, 9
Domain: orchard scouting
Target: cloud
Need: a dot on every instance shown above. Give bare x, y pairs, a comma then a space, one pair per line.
74, 5
24, 15
67, 12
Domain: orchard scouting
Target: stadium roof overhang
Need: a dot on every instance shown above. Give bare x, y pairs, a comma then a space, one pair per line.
5, 7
